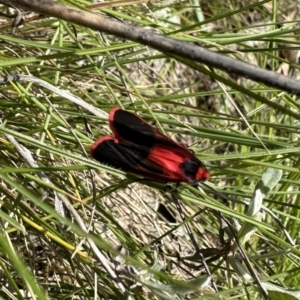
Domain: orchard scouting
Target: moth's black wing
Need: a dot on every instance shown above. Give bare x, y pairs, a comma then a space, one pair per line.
125, 156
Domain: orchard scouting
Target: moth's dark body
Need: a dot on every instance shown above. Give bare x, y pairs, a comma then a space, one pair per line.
141, 149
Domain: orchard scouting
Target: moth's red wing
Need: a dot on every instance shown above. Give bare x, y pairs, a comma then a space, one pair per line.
129, 158
180, 161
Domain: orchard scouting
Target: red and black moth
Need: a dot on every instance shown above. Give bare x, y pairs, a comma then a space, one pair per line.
139, 148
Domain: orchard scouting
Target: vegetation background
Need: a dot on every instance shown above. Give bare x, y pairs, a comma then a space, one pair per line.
45, 254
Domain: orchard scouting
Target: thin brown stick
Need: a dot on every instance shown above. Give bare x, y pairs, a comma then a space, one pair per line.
158, 41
